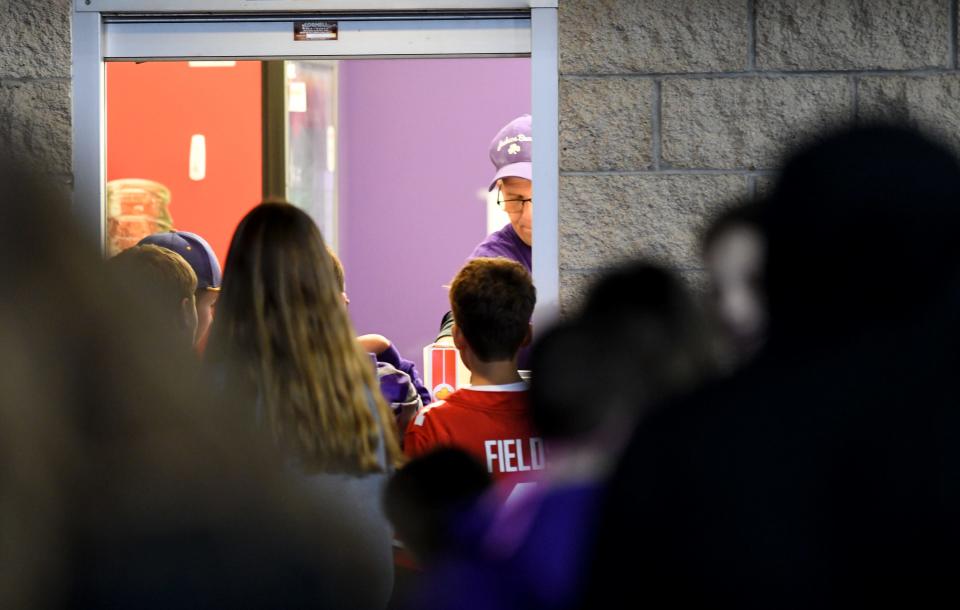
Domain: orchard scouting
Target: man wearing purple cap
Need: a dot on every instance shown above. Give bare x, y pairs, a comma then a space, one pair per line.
198, 253
510, 153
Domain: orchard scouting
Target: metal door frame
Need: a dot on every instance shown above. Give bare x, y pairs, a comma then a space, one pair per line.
215, 29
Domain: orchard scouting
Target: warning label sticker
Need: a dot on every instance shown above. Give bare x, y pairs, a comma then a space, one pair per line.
314, 30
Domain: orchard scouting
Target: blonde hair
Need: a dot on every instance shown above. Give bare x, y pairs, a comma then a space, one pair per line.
338, 270
282, 325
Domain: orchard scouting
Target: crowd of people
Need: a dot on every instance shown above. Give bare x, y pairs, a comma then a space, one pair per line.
174, 434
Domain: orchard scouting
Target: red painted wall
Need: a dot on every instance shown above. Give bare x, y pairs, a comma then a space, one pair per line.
152, 111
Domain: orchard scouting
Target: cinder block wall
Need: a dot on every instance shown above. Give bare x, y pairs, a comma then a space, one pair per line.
671, 108
35, 85
668, 109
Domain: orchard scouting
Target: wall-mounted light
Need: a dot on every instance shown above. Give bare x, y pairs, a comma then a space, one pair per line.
297, 97
211, 64
198, 157
331, 149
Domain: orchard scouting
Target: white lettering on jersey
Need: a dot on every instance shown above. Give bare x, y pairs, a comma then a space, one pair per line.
537, 454
507, 455
520, 465
490, 455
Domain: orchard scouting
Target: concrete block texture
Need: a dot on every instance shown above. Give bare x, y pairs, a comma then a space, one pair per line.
626, 36
748, 122
35, 123
574, 285
608, 218
35, 38
928, 102
605, 124
852, 34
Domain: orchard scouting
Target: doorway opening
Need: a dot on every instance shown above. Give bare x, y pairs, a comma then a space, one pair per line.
390, 158
151, 31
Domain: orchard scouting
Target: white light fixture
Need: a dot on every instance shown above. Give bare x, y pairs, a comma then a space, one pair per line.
297, 97
198, 157
212, 64
331, 149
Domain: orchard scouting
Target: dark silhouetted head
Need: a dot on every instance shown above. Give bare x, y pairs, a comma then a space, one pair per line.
861, 232
422, 497
639, 339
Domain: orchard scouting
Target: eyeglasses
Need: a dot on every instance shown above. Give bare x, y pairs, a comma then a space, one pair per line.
512, 206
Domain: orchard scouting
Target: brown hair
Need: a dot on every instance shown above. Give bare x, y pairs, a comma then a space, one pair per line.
492, 301
164, 269
282, 326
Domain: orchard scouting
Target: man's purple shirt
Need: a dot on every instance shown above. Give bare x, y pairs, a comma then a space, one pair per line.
506, 243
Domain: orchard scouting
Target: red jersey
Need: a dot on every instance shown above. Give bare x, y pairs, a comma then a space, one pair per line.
491, 423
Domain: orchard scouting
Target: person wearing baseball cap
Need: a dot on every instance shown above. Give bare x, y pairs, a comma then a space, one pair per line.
511, 152
198, 253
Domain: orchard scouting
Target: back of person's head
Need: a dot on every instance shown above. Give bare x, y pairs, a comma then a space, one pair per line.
568, 374
424, 496
283, 328
166, 278
657, 320
638, 340
195, 250
861, 232
492, 301
123, 480
203, 260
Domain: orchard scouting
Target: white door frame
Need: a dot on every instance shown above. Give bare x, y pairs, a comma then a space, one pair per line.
215, 29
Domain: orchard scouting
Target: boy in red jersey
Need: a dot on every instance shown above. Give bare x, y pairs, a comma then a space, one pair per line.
492, 301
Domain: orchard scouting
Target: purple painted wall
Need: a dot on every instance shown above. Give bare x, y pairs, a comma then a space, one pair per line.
413, 143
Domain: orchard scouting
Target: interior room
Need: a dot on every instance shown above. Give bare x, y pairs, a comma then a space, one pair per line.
389, 156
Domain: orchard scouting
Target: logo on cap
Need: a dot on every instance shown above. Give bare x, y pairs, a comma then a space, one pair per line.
514, 147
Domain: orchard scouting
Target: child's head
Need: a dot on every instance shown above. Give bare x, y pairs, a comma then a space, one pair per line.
168, 278
492, 301
423, 499
201, 257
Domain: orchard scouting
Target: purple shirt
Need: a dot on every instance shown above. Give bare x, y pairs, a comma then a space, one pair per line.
506, 243
534, 554
392, 357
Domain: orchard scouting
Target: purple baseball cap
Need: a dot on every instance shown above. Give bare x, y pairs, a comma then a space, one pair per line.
511, 150
195, 250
